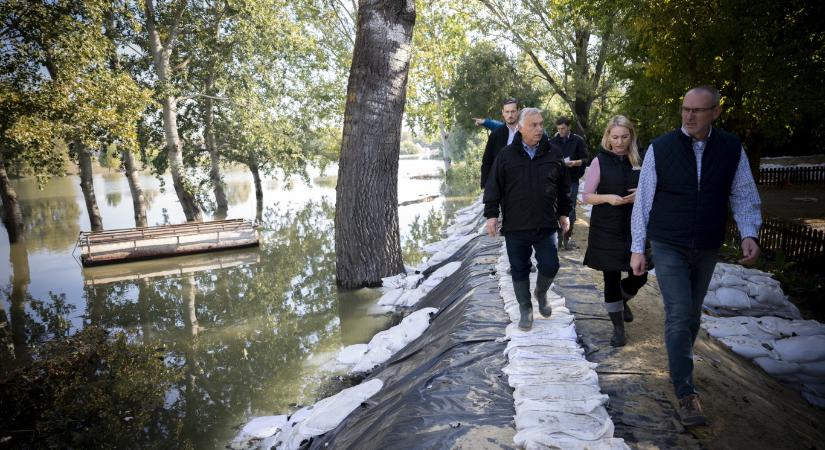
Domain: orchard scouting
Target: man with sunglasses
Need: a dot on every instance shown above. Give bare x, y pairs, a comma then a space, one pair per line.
689, 178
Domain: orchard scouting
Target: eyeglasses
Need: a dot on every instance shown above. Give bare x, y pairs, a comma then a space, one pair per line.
686, 110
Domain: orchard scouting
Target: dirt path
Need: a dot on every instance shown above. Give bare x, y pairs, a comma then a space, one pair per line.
746, 408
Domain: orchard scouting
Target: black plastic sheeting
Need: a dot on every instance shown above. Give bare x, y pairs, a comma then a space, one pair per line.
643, 416
446, 387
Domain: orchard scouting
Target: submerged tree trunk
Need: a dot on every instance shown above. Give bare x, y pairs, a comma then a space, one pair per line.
215, 158
161, 54
12, 216
138, 199
367, 238
256, 176
190, 205
84, 161
445, 138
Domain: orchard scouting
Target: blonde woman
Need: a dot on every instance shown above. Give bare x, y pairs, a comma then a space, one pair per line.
610, 186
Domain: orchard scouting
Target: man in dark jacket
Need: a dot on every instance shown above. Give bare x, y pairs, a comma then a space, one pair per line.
500, 137
574, 152
529, 184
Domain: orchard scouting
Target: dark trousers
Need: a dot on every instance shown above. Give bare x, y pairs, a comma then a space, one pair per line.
683, 275
614, 285
520, 245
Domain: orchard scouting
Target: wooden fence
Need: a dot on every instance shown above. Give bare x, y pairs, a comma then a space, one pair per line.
799, 243
792, 175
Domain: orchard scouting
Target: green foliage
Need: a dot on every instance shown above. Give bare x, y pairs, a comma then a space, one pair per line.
89, 390
56, 83
767, 58
571, 45
486, 76
109, 157
463, 177
422, 233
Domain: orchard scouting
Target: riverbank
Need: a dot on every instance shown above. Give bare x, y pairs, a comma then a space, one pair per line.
446, 390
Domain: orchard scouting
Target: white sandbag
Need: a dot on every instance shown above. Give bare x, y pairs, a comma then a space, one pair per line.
733, 298
559, 392
715, 282
785, 328
711, 300
412, 281
391, 297
578, 406
801, 348
776, 368
815, 369
439, 275
259, 428
329, 412
589, 427
539, 439
769, 295
351, 354
395, 281
730, 280
719, 328
763, 279
748, 347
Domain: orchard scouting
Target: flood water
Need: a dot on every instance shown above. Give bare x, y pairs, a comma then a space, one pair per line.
247, 328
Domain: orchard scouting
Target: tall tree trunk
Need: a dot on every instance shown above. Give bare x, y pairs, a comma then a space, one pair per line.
12, 216
445, 138
87, 185
367, 238
138, 199
191, 207
209, 118
214, 157
161, 54
256, 176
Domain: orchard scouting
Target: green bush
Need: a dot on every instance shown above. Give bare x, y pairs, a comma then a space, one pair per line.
87, 391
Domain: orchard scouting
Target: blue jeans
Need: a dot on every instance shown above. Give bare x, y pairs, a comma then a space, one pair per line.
520, 245
574, 196
683, 275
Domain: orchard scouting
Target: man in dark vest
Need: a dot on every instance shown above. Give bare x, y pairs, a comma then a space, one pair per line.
574, 152
689, 178
528, 184
500, 137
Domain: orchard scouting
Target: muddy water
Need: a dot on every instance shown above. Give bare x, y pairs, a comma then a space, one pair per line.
247, 328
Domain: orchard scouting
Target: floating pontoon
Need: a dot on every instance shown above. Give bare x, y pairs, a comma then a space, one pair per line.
131, 244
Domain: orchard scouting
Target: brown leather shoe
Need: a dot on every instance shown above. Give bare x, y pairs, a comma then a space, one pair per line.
690, 411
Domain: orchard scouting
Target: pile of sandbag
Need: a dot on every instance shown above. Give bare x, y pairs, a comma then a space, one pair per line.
557, 397
406, 289
285, 432
467, 225
793, 351
359, 358
739, 291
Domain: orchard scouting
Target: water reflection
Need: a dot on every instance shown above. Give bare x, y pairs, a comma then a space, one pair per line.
243, 326
241, 333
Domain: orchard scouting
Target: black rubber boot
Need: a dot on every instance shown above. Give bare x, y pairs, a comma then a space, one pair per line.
525, 305
542, 286
628, 314
618, 339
